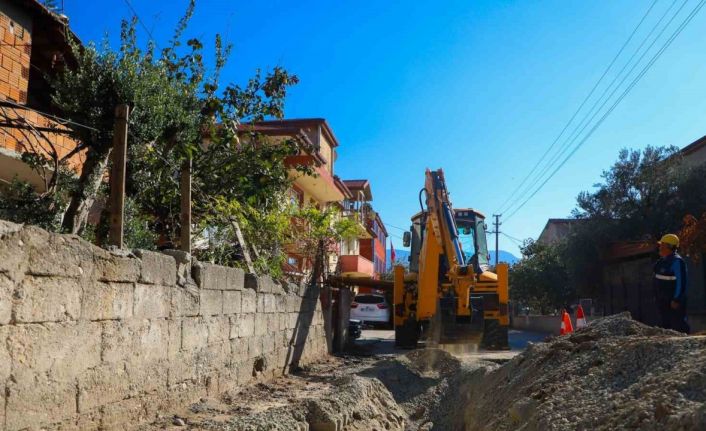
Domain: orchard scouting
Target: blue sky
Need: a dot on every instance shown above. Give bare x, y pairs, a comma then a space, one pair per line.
478, 88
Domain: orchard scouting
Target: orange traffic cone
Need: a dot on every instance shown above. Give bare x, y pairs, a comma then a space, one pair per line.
580, 318
566, 327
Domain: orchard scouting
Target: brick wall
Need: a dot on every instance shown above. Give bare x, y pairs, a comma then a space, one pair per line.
21, 139
15, 57
96, 340
15, 52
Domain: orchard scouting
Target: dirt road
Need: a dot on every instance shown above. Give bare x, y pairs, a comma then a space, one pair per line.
382, 342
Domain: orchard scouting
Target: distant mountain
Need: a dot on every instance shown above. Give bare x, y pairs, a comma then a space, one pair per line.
401, 256
504, 256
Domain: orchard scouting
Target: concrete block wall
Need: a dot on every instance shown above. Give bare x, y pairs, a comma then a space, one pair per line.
92, 340
543, 324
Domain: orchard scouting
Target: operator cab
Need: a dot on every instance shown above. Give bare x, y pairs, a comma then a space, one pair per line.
471, 235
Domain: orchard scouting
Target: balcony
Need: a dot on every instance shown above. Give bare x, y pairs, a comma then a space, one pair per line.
356, 266
357, 217
320, 186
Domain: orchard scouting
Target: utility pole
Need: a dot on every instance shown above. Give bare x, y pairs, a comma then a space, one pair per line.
497, 233
185, 211
117, 176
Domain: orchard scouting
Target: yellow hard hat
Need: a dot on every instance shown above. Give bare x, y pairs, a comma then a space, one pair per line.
670, 239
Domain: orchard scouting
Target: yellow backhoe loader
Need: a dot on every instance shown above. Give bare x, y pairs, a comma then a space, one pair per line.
449, 295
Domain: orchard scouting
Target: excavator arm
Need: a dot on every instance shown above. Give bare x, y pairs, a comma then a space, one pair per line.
439, 293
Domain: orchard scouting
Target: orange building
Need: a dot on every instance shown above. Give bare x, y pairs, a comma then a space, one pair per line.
364, 256
323, 189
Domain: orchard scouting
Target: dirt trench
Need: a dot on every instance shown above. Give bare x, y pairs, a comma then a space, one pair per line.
416, 391
615, 374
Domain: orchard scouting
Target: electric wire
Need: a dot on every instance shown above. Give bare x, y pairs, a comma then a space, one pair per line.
595, 86
513, 238
588, 117
395, 227
593, 112
645, 69
142, 23
517, 243
62, 121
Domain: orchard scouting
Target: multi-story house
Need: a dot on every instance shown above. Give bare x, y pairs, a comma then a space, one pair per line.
33, 45
363, 256
323, 189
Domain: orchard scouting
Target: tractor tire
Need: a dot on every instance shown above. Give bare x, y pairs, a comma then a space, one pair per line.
495, 336
407, 335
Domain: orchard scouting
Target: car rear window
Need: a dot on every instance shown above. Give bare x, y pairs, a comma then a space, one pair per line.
369, 299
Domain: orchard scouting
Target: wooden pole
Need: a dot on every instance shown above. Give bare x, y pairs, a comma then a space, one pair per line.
185, 191
117, 176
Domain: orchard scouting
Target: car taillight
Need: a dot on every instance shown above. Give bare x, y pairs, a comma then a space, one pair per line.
354, 305
382, 306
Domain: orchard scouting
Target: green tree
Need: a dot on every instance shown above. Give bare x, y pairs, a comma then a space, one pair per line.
22, 203
179, 111
644, 187
644, 195
540, 280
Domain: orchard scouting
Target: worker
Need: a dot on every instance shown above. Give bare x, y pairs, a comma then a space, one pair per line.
670, 281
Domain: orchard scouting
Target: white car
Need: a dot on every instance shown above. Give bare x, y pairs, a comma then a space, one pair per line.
370, 308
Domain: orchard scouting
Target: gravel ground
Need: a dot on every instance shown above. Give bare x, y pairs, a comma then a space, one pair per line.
615, 374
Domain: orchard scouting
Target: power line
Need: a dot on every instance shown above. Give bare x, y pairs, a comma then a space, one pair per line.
144, 27
630, 86
610, 110
395, 227
513, 238
644, 70
605, 72
517, 242
586, 121
62, 121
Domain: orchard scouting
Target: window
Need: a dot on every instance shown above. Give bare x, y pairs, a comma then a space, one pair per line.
296, 196
369, 299
471, 235
349, 246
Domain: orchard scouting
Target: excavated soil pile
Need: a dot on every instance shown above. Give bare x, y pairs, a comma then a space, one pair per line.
351, 402
323, 396
615, 374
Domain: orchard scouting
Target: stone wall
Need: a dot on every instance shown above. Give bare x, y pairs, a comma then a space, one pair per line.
91, 339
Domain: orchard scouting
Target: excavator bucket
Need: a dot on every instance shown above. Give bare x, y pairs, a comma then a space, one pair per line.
464, 334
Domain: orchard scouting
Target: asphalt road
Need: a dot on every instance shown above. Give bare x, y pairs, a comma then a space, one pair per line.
382, 342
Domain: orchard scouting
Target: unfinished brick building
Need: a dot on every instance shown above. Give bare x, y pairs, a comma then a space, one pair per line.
33, 45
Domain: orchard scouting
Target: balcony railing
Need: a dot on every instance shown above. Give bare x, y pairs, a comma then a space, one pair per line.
362, 217
356, 266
